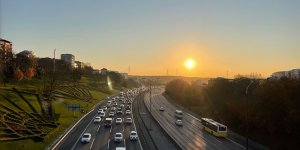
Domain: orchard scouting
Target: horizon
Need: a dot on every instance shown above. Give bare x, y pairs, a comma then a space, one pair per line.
157, 38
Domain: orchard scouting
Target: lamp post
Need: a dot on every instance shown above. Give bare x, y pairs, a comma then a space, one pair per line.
54, 60
247, 88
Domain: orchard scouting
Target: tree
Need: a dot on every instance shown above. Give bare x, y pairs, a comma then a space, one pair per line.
18, 75
29, 73
26, 60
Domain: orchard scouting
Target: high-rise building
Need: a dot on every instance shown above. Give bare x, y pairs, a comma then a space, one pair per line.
68, 58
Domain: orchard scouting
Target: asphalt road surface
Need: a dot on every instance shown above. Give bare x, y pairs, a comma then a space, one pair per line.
102, 137
190, 135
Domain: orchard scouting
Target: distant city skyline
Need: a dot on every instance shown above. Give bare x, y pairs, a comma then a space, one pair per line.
157, 37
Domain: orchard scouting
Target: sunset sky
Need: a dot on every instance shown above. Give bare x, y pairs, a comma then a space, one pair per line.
152, 37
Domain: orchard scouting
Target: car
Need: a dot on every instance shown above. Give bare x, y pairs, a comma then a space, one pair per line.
120, 148
113, 109
102, 114
86, 137
178, 122
104, 108
128, 112
108, 122
119, 120
108, 102
162, 108
119, 108
122, 105
133, 136
97, 119
120, 112
111, 114
128, 120
100, 110
118, 137
127, 107
115, 104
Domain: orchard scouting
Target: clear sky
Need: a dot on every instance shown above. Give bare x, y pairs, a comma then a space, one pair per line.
238, 36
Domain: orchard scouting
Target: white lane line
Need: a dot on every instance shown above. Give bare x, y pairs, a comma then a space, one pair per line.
108, 143
98, 128
123, 129
135, 127
110, 129
83, 132
193, 117
70, 130
92, 143
124, 143
236, 143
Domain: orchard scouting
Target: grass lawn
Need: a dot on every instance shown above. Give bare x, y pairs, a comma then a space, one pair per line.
66, 118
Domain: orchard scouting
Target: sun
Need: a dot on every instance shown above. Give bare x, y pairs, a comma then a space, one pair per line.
189, 63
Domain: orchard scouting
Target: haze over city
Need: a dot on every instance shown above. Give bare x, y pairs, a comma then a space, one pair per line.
156, 37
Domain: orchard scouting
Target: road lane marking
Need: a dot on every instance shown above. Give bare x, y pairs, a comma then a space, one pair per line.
92, 143
110, 129
108, 143
123, 128
135, 127
71, 129
124, 143
236, 143
82, 133
98, 128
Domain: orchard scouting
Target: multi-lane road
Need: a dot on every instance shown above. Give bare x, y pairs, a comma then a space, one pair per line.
190, 135
102, 137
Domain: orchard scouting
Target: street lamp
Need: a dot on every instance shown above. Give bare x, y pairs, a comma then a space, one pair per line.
150, 105
247, 88
54, 60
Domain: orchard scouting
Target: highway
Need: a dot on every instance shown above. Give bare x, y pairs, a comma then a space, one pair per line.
102, 137
190, 135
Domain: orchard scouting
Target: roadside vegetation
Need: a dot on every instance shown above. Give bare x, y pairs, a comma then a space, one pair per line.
35, 99
273, 107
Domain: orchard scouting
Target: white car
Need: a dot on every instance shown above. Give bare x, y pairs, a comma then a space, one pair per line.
102, 114
118, 137
128, 120
111, 114
100, 110
178, 122
120, 148
133, 136
119, 120
122, 105
104, 108
162, 108
128, 112
113, 109
86, 137
97, 120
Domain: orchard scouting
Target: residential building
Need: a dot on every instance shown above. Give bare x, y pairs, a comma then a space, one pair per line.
5, 51
69, 58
